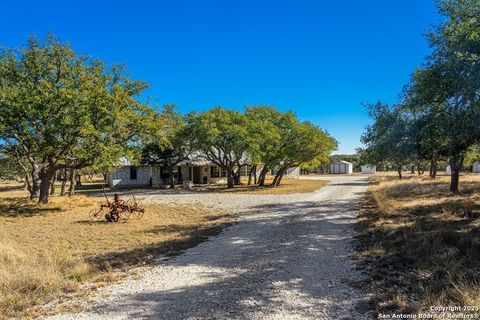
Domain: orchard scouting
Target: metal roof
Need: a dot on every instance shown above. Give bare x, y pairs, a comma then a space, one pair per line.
344, 162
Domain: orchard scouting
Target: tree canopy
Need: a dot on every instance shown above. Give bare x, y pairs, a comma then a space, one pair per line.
221, 136
170, 145
60, 109
439, 113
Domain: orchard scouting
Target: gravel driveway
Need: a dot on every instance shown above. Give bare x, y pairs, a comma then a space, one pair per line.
287, 259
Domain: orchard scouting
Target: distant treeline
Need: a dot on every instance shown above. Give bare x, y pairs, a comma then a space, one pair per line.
438, 117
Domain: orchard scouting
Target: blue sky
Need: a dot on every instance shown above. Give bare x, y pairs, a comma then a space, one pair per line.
322, 59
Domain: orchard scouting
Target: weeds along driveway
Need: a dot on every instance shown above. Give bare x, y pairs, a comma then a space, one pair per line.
284, 260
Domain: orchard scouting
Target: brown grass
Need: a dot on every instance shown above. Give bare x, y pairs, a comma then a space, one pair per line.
47, 252
419, 244
9, 189
288, 186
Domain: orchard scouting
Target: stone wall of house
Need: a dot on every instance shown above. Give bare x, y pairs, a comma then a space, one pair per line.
217, 180
121, 177
150, 176
293, 172
290, 173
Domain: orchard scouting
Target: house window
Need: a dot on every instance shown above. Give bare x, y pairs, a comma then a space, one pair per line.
164, 173
214, 172
133, 173
217, 172
244, 170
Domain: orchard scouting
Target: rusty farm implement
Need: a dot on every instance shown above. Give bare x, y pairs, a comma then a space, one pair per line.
118, 210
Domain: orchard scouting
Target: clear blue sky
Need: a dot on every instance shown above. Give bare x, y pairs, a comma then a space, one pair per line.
321, 59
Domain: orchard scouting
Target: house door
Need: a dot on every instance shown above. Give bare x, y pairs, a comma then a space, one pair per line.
179, 175
197, 175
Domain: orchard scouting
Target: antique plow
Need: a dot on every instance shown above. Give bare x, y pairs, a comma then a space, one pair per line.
118, 210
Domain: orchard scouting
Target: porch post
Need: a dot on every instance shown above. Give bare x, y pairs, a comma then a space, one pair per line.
186, 182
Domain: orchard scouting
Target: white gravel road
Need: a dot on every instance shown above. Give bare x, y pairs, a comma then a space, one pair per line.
288, 258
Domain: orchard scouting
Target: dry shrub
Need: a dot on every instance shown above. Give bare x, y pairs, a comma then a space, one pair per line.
422, 241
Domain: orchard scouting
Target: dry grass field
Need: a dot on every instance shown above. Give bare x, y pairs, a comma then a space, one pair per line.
288, 186
419, 244
50, 251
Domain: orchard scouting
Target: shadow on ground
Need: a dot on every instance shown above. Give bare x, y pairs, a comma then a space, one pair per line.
422, 255
193, 235
21, 207
294, 260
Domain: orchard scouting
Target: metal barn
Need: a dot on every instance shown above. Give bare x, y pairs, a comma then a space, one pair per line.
476, 167
341, 167
369, 169
448, 170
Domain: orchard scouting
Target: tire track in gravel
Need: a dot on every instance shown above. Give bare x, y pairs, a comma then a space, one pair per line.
289, 260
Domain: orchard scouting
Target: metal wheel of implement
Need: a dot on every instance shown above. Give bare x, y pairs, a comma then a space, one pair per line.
95, 214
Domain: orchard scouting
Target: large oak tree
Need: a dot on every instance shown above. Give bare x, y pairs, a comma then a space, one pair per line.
221, 136
59, 108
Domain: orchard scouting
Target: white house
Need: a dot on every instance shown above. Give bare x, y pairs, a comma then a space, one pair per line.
476, 167
156, 176
130, 176
448, 170
369, 169
342, 167
186, 173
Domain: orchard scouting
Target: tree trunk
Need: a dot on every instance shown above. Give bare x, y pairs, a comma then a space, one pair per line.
237, 175
278, 177
455, 166
79, 180
279, 181
250, 176
71, 189
433, 169
44, 187
170, 179
52, 185
230, 179
46, 177
253, 171
261, 177
35, 187
28, 185
399, 171
62, 188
